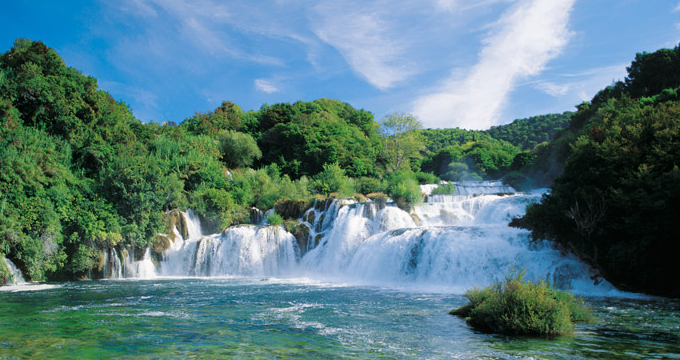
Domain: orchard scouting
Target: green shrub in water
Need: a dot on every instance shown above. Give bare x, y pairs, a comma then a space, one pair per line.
518, 306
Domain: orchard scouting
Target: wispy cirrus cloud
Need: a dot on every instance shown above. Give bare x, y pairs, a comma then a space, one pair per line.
520, 45
367, 41
583, 85
266, 86
200, 25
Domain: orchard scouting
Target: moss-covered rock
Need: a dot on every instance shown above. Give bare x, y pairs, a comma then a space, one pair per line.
301, 233
293, 208
378, 197
176, 220
161, 243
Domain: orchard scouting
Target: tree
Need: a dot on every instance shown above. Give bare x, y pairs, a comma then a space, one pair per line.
238, 149
402, 140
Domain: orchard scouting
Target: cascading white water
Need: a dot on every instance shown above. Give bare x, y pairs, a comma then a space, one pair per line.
482, 187
451, 242
113, 268
242, 250
143, 268
461, 241
16, 278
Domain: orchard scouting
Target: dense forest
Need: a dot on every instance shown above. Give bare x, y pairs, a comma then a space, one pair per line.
80, 174
617, 201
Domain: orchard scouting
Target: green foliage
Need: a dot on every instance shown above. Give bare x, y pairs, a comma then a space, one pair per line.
471, 160
651, 73
367, 185
317, 133
218, 206
403, 188
238, 149
518, 306
426, 178
227, 117
616, 203
402, 140
333, 180
274, 219
527, 133
262, 188
444, 189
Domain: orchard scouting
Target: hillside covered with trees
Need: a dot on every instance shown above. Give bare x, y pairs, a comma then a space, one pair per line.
617, 202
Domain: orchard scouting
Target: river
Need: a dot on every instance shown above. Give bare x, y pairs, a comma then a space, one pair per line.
368, 281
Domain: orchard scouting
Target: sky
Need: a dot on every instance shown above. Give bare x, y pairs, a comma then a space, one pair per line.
452, 63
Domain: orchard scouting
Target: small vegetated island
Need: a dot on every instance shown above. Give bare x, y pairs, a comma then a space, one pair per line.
520, 307
79, 174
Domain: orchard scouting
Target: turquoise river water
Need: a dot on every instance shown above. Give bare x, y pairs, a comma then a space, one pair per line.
274, 318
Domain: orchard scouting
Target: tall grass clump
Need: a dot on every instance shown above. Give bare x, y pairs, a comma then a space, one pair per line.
518, 306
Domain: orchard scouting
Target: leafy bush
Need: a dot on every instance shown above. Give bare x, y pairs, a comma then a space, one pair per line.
333, 180
444, 189
238, 149
426, 178
518, 306
404, 189
274, 219
367, 185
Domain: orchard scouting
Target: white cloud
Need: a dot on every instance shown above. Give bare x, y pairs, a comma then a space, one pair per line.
582, 86
200, 23
265, 86
553, 89
677, 8
367, 42
446, 5
522, 42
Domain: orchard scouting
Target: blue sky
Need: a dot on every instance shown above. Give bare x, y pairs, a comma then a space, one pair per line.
453, 63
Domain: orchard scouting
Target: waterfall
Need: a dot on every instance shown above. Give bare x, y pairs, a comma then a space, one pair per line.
15, 277
450, 242
113, 269
143, 269
482, 187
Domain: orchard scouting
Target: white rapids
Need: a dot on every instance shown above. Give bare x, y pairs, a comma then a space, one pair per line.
449, 243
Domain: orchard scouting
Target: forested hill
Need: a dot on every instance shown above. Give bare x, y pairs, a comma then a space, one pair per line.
617, 202
529, 132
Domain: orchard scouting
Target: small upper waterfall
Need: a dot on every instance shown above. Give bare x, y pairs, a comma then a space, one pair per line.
15, 277
113, 268
450, 242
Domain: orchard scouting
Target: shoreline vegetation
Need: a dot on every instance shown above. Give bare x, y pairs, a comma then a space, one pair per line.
79, 174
